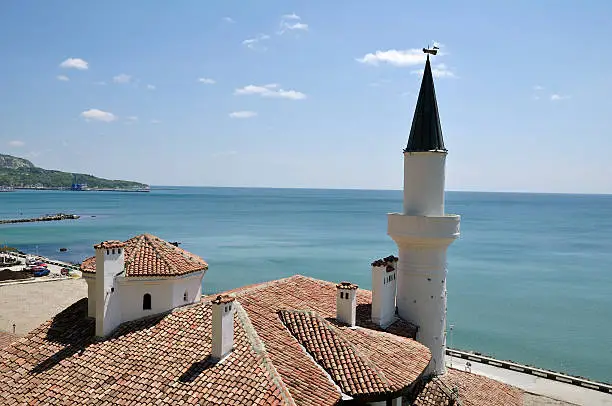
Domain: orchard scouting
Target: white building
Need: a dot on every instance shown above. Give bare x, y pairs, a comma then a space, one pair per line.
142, 276
423, 231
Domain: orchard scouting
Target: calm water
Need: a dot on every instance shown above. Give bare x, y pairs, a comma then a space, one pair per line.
530, 279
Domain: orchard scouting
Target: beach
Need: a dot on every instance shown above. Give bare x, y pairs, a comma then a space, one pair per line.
26, 303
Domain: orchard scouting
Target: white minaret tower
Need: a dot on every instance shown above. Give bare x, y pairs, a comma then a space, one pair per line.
423, 231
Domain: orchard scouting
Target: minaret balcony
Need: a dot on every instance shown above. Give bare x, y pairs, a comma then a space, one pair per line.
423, 230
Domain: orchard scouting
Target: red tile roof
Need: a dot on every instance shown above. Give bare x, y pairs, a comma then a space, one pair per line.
162, 359
347, 285
148, 255
7, 339
110, 244
302, 357
360, 361
303, 377
469, 389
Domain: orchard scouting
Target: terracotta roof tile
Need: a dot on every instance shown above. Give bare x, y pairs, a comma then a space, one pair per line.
469, 389
354, 373
110, 244
304, 379
7, 339
148, 255
165, 359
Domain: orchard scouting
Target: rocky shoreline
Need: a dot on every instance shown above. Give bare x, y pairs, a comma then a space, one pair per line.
51, 217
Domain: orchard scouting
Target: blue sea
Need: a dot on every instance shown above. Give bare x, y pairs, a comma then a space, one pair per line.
529, 280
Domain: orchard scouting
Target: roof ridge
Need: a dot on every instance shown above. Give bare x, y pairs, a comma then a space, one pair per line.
155, 245
260, 349
257, 286
340, 337
139, 241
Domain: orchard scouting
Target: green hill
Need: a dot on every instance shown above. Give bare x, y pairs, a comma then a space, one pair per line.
19, 172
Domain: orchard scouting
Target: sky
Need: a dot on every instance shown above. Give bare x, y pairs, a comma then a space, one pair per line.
316, 94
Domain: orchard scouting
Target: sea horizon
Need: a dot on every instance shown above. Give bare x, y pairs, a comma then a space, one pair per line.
158, 187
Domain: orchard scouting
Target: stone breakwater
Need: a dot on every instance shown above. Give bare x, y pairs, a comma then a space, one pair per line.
50, 217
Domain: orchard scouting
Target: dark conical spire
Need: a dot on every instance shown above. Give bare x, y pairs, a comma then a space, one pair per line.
426, 132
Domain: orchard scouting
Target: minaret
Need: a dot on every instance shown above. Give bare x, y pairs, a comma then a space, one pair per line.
423, 231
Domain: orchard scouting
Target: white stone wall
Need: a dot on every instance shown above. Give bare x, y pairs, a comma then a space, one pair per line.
424, 183
192, 284
395, 402
346, 306
91, 295
109, 263
114, 299
166, 294
222, 329
383, 292
423, 233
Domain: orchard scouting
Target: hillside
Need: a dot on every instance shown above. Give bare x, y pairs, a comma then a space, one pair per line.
19, 172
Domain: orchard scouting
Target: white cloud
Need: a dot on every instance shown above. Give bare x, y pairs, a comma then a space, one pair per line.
229, 20
16, 143
441, 71
132, 118
558, 97
98, 115
296, 26
270, 90
242, 114
290, 22
75, 63
154, 121
62, 78
207, 81
538, 87
408, 57
291, 16
254, 43
122, 78
100, 83
151, 87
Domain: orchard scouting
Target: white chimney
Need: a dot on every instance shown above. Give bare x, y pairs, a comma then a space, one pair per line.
110, 262
222, 326
384, 272
346, 303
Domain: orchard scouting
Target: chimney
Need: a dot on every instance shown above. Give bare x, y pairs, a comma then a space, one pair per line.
110, 262
384, 273
346, 303
222, 326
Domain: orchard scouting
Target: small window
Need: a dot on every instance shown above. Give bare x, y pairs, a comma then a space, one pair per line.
341, 295
185, 296
118, 250
146, 301
113, 251
107, 252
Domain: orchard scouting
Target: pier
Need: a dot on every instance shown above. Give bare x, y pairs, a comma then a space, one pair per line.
50, 217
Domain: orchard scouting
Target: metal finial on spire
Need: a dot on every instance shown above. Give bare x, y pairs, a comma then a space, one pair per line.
431, 51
